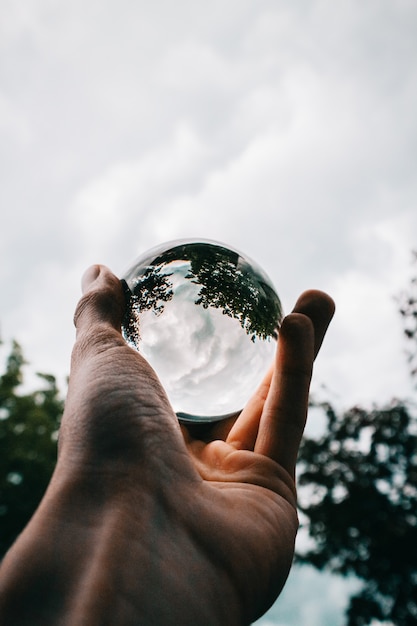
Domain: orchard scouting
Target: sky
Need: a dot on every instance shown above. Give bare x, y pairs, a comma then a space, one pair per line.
286, 130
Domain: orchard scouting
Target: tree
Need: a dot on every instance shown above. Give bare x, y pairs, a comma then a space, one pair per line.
408, 311
28, 434
362, 510
225, 281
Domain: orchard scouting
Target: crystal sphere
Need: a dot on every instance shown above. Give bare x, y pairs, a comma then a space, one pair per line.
206, 318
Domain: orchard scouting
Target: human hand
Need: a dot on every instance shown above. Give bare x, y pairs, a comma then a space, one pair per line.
146, 522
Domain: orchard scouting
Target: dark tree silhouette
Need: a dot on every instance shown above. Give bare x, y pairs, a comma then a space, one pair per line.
361, 503
227, 282
363, 511
408, 311
151, 289
232, 285
28, 433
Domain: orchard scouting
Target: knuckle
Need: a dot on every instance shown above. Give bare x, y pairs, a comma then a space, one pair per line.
100, 304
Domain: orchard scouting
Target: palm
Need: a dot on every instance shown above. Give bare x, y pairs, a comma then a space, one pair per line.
250, 521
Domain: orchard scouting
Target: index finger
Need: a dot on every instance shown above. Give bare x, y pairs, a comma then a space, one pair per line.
285, 409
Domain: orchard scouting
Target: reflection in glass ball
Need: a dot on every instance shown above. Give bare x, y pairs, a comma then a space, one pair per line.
206, 318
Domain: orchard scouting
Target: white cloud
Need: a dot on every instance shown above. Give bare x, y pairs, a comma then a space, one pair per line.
121, 209
312, 598
287, 131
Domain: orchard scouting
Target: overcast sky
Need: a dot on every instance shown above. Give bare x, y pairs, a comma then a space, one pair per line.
287, 130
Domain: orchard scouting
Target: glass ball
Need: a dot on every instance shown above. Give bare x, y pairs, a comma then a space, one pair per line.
206, 318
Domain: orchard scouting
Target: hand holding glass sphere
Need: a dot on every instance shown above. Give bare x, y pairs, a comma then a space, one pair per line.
206, 318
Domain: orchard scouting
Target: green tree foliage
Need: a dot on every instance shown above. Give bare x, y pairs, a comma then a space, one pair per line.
229, 284
408, 311
361, 499
362, 512
28, 432
225, 281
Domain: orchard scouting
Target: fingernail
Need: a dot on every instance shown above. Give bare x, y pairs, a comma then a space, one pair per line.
90, 276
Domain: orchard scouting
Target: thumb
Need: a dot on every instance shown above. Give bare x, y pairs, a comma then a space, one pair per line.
103, 300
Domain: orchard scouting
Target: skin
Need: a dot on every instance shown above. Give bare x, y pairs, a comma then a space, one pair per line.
147, 522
